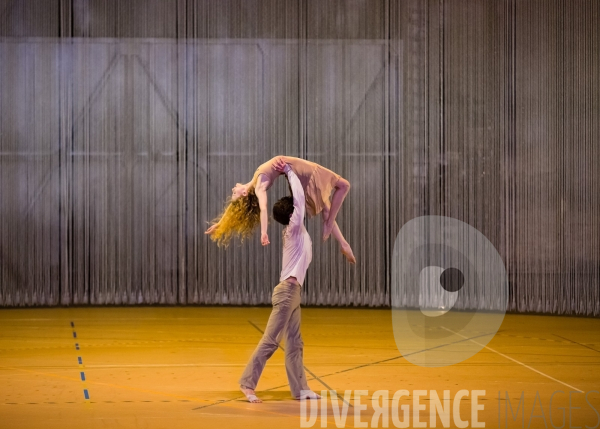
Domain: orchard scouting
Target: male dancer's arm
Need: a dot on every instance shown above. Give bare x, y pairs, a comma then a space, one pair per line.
299, 199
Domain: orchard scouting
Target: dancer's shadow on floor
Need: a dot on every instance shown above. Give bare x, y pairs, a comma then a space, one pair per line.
272, 396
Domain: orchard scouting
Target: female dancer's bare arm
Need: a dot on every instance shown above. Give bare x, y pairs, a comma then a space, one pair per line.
261, 193
337, 234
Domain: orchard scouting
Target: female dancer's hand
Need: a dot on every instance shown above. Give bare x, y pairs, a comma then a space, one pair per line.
211, 229
264, 239
280, 164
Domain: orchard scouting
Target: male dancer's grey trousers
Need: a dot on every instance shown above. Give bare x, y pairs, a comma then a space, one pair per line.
284, 319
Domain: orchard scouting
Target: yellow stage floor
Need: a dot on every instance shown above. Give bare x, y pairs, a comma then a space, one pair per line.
177, 367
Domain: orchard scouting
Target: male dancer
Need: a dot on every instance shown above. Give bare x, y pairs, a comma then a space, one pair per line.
285, 317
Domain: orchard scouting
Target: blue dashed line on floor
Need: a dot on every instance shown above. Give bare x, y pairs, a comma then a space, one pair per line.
86, 393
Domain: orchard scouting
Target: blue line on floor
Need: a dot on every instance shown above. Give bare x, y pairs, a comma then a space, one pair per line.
86, 393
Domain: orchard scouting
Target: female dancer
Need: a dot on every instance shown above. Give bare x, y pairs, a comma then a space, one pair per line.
248, 205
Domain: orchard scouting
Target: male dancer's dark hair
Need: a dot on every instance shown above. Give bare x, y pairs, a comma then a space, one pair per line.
283, 209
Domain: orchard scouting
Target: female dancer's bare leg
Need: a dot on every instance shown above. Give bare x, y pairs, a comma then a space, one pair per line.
337, 234
342, 188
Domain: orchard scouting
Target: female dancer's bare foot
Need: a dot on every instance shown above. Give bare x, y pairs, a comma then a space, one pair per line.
327, 228
347, 252
250, 394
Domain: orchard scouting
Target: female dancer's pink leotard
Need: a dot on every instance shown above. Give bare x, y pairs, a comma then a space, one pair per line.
317, 181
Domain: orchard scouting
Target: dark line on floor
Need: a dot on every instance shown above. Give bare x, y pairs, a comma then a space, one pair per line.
218, 403
401, 356
575, 342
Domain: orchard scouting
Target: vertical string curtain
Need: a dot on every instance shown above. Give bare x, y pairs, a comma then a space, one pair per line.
124, 126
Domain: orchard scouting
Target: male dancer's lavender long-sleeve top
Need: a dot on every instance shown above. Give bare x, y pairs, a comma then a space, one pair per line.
297, 245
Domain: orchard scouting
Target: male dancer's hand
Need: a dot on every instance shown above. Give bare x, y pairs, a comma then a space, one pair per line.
280, 164
264, 239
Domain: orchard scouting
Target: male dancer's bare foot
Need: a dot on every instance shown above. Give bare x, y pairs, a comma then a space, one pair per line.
347, 252
309, 394
327, 228
250, 394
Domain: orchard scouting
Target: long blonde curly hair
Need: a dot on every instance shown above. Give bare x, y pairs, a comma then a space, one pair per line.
238, 218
